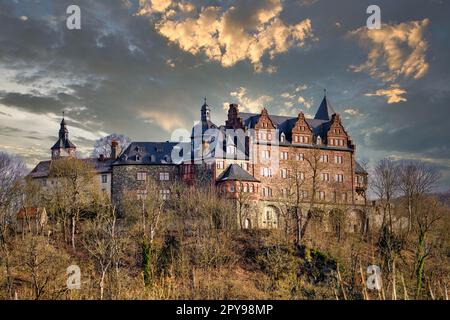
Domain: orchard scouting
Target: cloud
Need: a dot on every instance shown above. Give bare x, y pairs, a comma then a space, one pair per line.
307, 103
246, 30
394, 51
394, 94
165, 120
153, 6
352, 112
248, 104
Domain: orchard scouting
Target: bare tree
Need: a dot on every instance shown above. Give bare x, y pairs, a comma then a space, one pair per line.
12, 170
101, 241
429, 213
316, 166
416, 180
385, 184
74, 189
103, 145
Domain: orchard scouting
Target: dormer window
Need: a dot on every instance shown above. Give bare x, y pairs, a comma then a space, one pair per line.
283, 137
138, 158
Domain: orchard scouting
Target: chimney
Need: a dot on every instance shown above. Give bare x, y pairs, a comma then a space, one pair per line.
115, 150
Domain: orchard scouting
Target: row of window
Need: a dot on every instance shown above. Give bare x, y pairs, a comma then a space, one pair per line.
163, 193
163, 176
284, 155
267, 172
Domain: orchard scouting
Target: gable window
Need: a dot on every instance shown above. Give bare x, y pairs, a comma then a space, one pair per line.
142, 176
231, 149
296, 139
164, 176
104, 178
283, 138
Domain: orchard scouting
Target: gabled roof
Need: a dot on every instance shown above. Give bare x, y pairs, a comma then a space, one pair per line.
147, 153
234, 172
285, 124
325, 111
359, 169
42, 169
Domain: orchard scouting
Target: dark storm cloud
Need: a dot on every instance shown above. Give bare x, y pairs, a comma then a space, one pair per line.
114, 74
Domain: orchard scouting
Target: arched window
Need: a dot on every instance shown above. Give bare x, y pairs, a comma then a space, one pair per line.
283, 137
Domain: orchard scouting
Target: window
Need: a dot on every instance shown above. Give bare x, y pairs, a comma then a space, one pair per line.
267, 192
251, 188
301, 175
164, 176
265, 154
104, 178
338, 159
246, 188
323, 158
284, 156
300, 157
141, 194
284, 173
304, 139
232, 188
44, 182
284, 192
231, 149
266, 172
283, 138
165, 194
304, 194
340, 178
344, 197
220, 165
321, 195
262, 136
296, 139
325, 176
142, 176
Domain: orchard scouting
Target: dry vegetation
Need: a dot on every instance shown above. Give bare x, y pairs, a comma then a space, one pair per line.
192, 247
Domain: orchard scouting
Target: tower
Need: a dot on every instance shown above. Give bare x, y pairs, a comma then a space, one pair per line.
63, 147
205, 112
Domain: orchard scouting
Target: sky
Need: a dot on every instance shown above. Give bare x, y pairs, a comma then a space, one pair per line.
142, 69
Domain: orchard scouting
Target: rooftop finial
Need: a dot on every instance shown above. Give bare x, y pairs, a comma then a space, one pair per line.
204, 99
63, 113
325, 92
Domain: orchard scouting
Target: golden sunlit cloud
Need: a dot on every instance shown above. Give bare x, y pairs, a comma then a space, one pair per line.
242, 32
394, 50
247, 103
394, 94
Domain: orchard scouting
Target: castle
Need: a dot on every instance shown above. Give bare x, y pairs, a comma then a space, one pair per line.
262, 162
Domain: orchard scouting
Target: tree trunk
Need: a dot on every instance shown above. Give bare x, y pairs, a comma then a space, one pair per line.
102, 284
394, 282
73, 233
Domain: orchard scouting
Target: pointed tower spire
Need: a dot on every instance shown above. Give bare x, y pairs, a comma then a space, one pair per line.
63, 147
205, 112
325, 111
